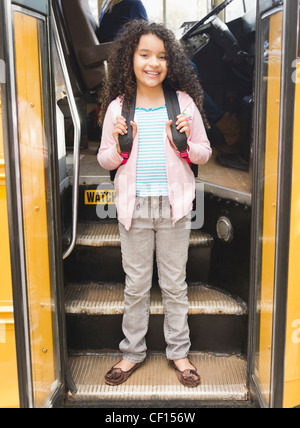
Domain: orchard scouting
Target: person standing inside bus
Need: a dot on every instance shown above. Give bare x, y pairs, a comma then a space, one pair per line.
155, 187
114, 14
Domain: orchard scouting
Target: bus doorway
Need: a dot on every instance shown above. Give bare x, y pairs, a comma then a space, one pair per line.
217, 271
240, 65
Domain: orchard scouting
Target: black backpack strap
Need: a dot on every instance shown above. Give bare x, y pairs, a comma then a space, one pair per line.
179, 138
173, 109
126, 140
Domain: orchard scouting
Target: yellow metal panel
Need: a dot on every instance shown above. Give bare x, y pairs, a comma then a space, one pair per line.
9, 391
270, 201
34, 158
292, 366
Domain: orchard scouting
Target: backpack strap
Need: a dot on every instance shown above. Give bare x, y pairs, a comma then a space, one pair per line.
173, 109
179, 138
126, 140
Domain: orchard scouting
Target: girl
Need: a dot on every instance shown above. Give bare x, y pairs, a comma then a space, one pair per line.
155, 187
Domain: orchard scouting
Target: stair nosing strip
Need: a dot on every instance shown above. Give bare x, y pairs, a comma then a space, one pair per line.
80, 306
96, 235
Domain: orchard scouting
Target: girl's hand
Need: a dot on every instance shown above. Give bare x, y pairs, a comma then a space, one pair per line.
121, 128
181, 125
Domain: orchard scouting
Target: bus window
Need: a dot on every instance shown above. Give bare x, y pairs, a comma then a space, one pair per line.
94, 5
238, 8
169, 12
235, 10
155, 9
176, 16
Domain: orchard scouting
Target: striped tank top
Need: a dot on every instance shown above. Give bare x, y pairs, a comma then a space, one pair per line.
151, 177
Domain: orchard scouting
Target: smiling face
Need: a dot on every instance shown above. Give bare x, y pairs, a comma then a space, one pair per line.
149, 62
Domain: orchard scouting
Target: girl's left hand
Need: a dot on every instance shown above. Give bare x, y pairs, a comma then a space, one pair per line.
181, 125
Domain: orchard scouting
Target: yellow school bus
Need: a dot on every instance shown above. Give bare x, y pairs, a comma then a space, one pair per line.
62, 281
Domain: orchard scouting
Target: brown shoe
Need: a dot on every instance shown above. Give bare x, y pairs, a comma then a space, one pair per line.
116, 376
189, 378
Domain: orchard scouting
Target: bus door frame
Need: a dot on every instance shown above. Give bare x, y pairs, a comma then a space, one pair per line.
12, 172
286, 137
15, 209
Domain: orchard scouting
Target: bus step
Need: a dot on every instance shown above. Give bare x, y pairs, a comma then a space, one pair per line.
107, 235
223, 378
94, 318
97, 256
108, 299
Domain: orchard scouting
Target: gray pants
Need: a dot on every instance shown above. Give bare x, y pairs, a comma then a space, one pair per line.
152, 230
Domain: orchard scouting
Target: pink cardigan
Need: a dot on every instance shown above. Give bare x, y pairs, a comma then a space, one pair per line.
181, 180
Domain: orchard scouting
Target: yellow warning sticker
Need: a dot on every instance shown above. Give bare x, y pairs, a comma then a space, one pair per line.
102, 197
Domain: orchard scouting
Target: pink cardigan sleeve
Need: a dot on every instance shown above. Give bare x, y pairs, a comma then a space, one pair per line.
199, 147
108, 156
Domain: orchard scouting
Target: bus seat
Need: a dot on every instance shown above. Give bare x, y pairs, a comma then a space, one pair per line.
80, 40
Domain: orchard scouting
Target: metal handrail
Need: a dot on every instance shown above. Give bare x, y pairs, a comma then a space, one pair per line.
77, 137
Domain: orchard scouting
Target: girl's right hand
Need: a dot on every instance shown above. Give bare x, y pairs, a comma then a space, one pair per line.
122, 129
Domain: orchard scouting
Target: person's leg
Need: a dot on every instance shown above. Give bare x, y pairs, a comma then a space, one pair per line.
227, 122
213, 112
172, 243
137, 246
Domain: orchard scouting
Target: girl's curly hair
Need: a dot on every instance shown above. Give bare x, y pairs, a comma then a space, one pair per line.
121, 79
